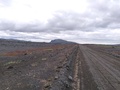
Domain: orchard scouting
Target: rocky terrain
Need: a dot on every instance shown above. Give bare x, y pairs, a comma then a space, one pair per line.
51, 66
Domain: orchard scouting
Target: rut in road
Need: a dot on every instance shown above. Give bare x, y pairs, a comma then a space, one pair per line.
76, 84
105, 69
82, 75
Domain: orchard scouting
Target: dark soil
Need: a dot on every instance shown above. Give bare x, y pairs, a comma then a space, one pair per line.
43, 66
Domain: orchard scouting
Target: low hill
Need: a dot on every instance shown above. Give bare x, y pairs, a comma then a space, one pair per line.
60, 41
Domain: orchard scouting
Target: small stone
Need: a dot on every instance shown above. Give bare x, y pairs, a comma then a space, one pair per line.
59, 67
10, 67
49, 79
34, 76
66, 84
57, 70
47, 85
34, 64
25, 53
56, 77
67, 67
70, 78
44, 59
7, 88
18, 84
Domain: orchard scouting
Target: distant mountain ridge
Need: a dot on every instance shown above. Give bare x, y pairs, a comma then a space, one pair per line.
60, 41
55, 41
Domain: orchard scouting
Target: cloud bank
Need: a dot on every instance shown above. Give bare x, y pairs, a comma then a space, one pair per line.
98, 23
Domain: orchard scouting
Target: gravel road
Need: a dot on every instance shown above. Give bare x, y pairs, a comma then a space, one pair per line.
104, 68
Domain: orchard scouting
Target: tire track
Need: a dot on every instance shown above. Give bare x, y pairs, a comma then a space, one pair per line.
103, 71
76, 84
87, 82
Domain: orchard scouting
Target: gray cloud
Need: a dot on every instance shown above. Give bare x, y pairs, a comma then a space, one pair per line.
107, 10
101, 17
22, 27
5, 25
93, 18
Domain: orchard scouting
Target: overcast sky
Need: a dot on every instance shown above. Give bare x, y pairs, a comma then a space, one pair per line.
82, 21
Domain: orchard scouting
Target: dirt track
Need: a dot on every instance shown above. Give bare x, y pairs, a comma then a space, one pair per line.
105, 70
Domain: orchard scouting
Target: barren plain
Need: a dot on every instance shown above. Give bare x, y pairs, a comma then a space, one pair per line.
45, 66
